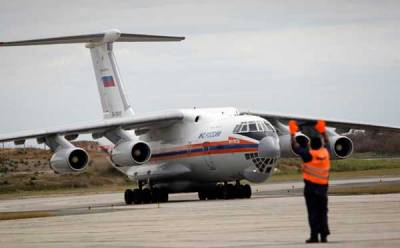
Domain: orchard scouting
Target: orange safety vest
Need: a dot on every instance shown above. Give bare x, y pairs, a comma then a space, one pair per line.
317, 170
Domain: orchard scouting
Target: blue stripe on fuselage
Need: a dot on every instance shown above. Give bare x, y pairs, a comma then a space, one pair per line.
210, 148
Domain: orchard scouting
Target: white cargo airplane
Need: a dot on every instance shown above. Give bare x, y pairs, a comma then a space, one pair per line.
188, 150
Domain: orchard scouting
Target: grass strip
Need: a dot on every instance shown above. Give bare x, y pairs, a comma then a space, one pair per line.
378, 188
24, 215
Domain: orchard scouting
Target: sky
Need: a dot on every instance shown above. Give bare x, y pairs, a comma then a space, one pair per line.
332, 59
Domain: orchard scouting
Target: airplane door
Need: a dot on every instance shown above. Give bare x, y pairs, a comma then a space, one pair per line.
207, 156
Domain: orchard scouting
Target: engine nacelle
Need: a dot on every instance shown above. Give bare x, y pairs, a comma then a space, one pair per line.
286, 144
131, 153
69, 160
341, 147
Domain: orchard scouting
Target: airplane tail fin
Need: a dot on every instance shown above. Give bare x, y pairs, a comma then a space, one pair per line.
109, 82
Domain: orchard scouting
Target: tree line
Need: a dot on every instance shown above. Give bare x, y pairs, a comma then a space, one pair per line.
383, 143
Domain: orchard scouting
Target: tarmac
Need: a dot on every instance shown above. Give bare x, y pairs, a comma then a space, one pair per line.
274, 217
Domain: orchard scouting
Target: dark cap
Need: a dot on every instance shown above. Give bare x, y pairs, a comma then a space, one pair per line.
316, 143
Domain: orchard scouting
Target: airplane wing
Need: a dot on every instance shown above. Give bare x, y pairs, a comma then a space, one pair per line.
343, 125
99, 127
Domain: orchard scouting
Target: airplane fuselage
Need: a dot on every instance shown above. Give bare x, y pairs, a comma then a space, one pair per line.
208, 146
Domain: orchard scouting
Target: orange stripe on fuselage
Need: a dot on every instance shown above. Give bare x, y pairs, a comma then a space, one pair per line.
189, 153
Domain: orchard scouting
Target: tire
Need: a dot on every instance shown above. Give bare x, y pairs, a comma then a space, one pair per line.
164, 195
202, 196
228, 191
128, 196
219, 191
146, 196
247, 191
212, 193
137, 196
156, 195
239, 191
231, 191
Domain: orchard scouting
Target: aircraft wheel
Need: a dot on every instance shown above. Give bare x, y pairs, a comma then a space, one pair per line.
128, 196
225, 193
155, 195
228, 191
247, 191
146, 196
212, 194
231, 191
202, 196
137, 196
219, 191
163, 195
240, 191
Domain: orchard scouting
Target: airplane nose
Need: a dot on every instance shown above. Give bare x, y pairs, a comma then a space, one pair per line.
269, 148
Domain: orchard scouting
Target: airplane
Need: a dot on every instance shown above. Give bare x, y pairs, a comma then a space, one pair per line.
204, 150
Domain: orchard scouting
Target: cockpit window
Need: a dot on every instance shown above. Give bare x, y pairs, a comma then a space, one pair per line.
260, 126
253, 126
244, 128
269, 125
237, 129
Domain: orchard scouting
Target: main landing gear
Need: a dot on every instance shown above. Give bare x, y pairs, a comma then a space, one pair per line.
226, 191
144, 196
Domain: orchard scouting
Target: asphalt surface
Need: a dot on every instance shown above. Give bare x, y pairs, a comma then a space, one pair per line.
275, 217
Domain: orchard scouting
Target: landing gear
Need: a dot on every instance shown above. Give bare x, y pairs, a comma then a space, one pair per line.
246, 191
128, 196
144, 196
137, 196
202, 195
226, 191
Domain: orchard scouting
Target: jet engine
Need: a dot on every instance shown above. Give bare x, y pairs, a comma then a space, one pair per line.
131, 153
341, 146
286, 144
69, 160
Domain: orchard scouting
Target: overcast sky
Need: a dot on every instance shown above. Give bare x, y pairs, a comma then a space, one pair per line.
336, 59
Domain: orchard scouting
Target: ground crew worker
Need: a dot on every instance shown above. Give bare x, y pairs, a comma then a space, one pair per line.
315, 168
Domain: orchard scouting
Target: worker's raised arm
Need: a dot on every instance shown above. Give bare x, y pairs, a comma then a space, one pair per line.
293, 129
321, 128
303, 152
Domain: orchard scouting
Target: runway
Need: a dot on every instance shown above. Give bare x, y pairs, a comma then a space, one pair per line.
273, 217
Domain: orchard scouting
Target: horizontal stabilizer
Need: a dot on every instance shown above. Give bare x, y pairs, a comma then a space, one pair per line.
107, 36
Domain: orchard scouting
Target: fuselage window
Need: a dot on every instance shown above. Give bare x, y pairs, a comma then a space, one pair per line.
197, 119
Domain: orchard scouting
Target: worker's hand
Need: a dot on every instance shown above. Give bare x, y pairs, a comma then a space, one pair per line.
320, 126
293, 127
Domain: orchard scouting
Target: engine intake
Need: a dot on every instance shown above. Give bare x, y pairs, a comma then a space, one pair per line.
286, 144
140, 152
341, 147
69, 160
131, 153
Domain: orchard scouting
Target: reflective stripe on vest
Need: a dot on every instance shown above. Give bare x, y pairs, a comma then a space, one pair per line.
317, 170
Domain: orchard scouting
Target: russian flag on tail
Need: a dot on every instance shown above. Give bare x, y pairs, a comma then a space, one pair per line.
108, 81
